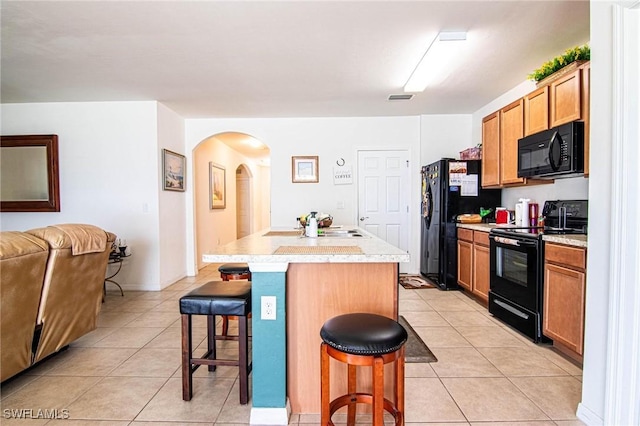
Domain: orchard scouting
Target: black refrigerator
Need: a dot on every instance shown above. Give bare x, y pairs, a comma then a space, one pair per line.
449, 188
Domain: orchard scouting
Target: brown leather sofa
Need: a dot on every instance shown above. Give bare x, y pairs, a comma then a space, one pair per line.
23, 260
52, 281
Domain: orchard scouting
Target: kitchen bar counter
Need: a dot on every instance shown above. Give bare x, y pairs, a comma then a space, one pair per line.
261, 247
312, 279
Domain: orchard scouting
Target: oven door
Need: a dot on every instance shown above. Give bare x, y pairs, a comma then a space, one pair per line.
514, 264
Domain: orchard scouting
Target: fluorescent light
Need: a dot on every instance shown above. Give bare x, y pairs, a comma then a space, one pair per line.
436, 63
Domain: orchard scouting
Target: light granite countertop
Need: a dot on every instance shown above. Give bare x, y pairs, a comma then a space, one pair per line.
566, 239
258, 248
484, 227
569, 240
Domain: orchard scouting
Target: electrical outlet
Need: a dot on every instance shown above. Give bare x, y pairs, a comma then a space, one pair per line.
268, 307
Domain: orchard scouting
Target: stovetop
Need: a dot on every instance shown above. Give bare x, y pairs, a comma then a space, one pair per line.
535, 232
562, 217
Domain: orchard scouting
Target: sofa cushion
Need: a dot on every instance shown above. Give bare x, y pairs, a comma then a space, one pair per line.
23, 260
72, 292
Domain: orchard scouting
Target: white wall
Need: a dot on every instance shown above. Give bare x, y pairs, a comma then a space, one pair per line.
330, 139
598, 287
172, 241
108, 173
263, 197
444, 136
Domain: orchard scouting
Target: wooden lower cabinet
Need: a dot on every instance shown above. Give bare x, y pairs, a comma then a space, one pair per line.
473, 262
564, 296
481, 272
465, 264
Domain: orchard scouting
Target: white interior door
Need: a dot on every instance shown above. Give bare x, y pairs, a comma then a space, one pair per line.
383, 195
243, 206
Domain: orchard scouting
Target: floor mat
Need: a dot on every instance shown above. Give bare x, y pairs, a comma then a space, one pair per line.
414, 281
415, 348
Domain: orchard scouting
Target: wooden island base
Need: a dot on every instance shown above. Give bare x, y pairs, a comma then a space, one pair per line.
316, 292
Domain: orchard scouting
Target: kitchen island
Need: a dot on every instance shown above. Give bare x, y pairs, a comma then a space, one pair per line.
312, 280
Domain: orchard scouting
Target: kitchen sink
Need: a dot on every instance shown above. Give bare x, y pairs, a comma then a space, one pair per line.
342, 235
338, 233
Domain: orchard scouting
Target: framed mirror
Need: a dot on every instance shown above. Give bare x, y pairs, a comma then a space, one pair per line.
29, 180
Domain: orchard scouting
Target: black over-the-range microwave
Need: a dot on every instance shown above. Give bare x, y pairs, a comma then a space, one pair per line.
554, 153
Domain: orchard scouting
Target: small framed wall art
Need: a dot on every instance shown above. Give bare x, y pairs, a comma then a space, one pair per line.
217, 186
173, 170
304, 169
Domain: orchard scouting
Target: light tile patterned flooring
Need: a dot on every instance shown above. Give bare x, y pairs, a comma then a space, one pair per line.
127, 372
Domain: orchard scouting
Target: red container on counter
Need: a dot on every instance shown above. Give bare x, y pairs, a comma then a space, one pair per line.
533, 214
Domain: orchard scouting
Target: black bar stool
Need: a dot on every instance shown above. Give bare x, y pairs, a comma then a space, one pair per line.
362, 339
232, 272
211, 299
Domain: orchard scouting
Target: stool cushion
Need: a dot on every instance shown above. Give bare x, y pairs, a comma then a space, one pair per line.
363, 334
218, 298
234, 268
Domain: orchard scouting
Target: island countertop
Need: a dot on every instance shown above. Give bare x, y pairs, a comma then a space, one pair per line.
280, 245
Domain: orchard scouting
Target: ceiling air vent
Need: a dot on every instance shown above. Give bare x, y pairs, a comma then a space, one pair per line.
402, 97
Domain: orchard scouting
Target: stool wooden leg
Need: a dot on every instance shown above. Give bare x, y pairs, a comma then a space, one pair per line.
398, 386
187, 382
243, 349
225, 325
211, 339
351, 390
378, 391
324, 386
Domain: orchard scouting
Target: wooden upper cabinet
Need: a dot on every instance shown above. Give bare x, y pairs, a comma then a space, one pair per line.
566, 98
586, 112
536, 111
491, 150
511, 129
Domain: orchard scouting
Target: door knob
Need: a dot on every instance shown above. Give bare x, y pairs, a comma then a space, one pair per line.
363, 218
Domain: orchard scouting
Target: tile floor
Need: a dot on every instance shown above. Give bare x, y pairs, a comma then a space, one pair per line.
127, 372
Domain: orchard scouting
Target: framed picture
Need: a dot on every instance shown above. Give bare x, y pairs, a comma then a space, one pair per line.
304, 169
173, 166
217, 186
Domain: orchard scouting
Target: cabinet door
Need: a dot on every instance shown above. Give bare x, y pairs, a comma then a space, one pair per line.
511, 129
465, 234
536, 111
491, 150
563, 314
481, 272
586, 112
465, 264
566, 95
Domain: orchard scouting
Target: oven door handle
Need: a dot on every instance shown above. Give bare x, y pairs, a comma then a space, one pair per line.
512, 242
526, 244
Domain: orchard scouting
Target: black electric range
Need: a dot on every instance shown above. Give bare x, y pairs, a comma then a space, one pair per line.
517, 265
561, 217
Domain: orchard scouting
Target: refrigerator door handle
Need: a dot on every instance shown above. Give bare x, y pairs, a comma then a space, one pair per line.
429, 201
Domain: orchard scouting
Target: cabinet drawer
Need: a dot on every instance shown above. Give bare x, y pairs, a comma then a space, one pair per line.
567, 256
465, 234
481, 238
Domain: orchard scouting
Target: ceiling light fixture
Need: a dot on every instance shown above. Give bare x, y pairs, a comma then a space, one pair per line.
436, 63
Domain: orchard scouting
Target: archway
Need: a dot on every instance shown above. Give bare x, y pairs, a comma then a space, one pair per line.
217, 158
